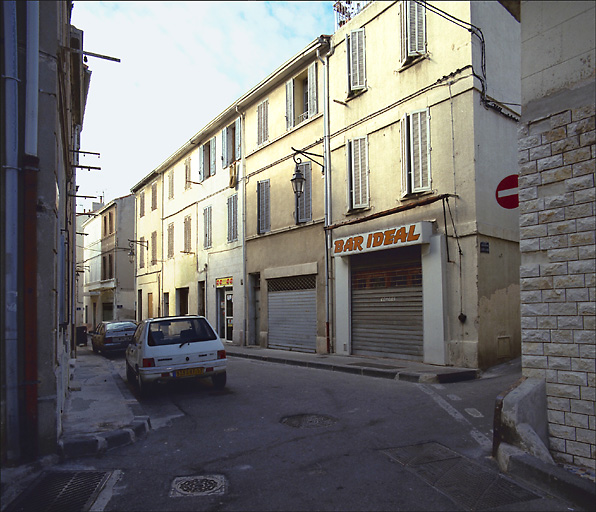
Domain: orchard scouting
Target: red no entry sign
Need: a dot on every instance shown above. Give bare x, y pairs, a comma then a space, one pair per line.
507, 192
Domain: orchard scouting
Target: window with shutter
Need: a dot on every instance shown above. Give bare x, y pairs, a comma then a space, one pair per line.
230, 143
171, 184
154, 196
413, 30
142, 253
170, 240
356, 60
415, 152
263, 205
207, 160
313, 105
304, 202
187, 179
154, 248
142, 204
212, 157
290, 104
263, 122
207, 227
358, 172
187, 234
233, 218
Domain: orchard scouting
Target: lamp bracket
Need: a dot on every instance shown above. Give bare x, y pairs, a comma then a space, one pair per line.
306, 154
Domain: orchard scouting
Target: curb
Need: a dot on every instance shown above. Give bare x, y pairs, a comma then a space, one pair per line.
95, 444
408, 376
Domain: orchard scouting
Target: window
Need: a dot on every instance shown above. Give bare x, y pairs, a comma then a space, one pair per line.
304, 202
187, 234
154, 248
104, 267
263, 207
170, 240
187, 173
142, 204
263, 122
415, 152
358, 172
233, 218
110, 267
207, 160
207, 227
171, 184
142, 253
356, 60
110, 222
230, 143
301, 97
105, 225
413, 30
154, 196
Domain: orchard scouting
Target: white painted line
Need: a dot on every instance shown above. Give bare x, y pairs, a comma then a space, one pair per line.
474, 412
107, 492
453, 398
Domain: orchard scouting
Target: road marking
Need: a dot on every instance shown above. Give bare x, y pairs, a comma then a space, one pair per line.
474, 412
107, 492
478, 436
453, 398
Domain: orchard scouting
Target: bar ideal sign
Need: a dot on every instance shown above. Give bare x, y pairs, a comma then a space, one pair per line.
409, 234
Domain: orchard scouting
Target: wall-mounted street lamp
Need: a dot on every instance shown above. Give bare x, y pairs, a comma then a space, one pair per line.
131, 244
298, 179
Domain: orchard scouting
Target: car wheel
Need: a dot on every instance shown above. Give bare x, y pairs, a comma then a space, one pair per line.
142, 387
219, 380
130, 374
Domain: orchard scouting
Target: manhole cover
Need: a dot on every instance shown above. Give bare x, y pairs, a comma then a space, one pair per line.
308, 421
206, 485
61, 491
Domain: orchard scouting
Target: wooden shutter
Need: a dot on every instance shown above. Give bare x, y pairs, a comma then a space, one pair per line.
212, 157
154, 248
171, 240
238, 139
313, 106
357, 60
305, 200
233, 218
405, 155
142, 204
263, 128
154, 196
290, 104
207, 227
187, 173
187, 233
142, 253
359, 173
264, 222
224, 148
171, 184
420, 150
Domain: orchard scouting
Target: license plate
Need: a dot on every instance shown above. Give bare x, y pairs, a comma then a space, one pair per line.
189, 372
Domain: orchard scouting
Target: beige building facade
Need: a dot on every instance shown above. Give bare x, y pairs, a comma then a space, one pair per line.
424, 245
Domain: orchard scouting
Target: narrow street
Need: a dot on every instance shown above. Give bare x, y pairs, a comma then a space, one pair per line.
291, 438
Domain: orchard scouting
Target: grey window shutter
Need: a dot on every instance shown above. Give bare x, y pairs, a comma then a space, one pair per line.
263, 129
238, 139
187, 173
232, 218
224, 148
213, 158
359, 173
171, 240
305, 200
420, 150
263, 206
201, 163
313, 106
405, 156
290, 104
416, 29
266, 121
403, 25
357, 60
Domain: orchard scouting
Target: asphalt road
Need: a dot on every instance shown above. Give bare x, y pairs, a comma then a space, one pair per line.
291, 438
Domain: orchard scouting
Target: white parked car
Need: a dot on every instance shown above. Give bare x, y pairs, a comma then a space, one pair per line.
173, 348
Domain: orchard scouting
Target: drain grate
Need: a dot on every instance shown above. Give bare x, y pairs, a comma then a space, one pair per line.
469, 484
61, 491
308, 421
207, 485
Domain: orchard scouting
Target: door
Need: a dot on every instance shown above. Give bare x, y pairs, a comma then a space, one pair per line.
149, 305
229, 316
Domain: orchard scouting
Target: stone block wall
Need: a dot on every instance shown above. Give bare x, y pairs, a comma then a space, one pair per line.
557, 240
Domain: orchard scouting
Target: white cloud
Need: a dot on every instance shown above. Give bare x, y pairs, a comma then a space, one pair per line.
182, 64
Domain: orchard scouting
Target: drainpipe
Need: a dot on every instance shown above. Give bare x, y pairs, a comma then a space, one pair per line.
327, 164
30, 176
242, 187
11, 238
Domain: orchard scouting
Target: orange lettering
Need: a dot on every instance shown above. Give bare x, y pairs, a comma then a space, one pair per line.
377, 239
349, 245
369, 241
400, 236
358, 243
411, 236
389, 236
339, 244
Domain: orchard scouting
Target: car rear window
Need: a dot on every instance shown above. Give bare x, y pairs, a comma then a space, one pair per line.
120, 326
183, 330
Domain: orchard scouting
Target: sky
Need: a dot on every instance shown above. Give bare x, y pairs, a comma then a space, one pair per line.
182, 63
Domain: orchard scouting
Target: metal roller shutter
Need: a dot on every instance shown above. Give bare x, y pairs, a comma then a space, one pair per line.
387, 304
292, 309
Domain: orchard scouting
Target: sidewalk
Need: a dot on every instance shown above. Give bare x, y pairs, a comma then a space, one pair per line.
101, 412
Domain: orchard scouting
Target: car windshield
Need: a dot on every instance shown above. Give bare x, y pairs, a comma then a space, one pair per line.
179, 331
120, 326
